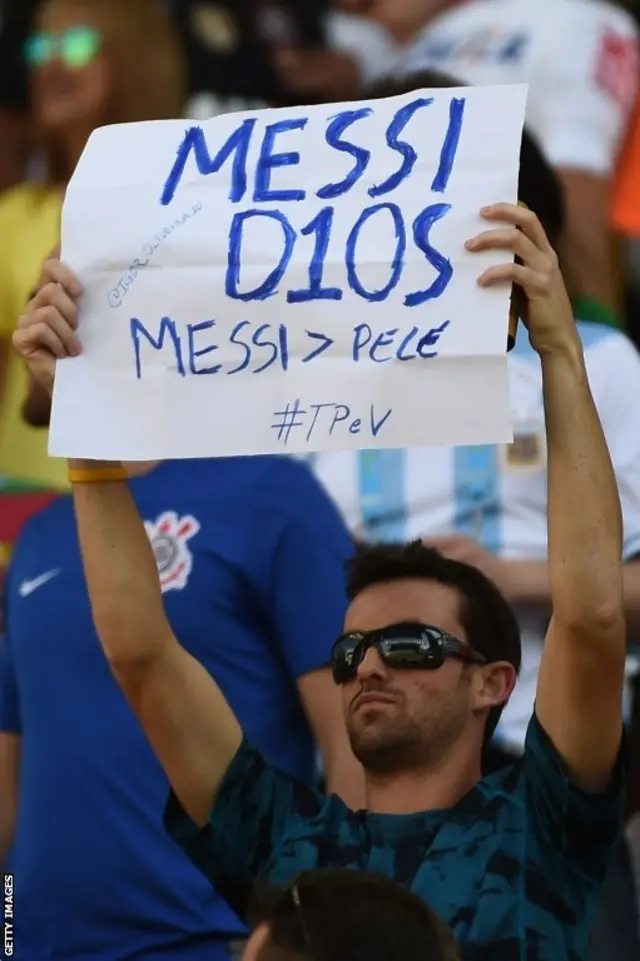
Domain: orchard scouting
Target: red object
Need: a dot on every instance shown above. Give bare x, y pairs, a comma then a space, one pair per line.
16, 507
617, 66
625, 213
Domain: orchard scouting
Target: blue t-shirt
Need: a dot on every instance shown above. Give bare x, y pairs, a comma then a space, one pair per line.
251, 557
518, 861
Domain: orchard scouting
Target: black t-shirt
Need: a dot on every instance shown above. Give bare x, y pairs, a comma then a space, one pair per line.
228, 43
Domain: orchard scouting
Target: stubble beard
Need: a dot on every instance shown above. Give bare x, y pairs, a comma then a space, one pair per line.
406, 744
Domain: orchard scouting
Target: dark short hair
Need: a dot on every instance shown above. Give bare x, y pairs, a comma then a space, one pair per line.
488, 621
343, 915
538, 185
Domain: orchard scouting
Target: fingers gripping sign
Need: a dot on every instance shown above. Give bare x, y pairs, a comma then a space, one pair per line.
46, 331
548, 316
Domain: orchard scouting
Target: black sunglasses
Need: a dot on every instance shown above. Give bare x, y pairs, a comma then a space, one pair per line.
409, 645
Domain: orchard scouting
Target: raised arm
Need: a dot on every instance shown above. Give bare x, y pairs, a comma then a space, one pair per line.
579, 698
182, 711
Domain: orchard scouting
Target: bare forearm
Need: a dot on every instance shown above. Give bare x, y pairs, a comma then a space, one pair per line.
528, 583
585, 523
120, 569
321, 701
345, 777
183, 712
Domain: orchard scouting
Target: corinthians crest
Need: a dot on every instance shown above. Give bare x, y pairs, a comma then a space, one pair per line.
170, 535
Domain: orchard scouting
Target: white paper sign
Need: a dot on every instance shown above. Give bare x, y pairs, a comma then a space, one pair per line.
290, 280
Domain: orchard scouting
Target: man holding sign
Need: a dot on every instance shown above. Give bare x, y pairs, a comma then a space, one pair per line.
429, 658
289, 275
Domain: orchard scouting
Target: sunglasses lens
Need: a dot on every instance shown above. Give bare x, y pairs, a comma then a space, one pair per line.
343, 661
411, 647
405, 654
79, 47
400, 646
38, 50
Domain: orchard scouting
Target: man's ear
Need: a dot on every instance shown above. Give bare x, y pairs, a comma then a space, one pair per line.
493, 684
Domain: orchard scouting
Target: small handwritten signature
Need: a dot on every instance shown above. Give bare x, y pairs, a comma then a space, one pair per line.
118, 293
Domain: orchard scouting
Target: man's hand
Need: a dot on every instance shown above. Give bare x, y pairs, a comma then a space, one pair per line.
46, 330
579, 696
549, 317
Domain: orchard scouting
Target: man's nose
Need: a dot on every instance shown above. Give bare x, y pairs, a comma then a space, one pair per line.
372, 665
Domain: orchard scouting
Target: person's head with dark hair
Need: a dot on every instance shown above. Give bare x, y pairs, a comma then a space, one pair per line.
428, 660
538, 185
338, 915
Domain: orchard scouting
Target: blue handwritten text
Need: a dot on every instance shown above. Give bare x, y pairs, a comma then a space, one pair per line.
238, 144
320, 226
192, 349
117, 293
314, 420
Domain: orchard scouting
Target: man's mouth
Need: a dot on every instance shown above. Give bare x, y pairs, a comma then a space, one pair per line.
372, 697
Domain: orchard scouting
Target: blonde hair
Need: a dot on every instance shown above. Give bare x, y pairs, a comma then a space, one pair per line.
147, 56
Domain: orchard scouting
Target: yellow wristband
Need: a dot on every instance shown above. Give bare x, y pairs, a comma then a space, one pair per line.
98, 475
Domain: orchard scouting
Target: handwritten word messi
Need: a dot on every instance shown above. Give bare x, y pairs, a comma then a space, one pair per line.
255, 187
257, 347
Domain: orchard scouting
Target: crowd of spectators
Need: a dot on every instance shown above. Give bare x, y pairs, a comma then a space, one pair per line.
251, 550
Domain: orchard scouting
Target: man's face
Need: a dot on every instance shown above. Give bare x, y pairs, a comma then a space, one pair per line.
399, 719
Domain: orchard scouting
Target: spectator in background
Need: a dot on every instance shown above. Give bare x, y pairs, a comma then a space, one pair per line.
580, 58
242, 547
240, 54
626, 193
347, 916
251, 554
90, 62
14, 123
250, 53
487, 505
626, 220
17, 505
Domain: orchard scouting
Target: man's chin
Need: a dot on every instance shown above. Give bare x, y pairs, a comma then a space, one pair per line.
376, 751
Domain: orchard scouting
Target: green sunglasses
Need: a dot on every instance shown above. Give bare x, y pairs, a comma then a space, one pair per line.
76, 47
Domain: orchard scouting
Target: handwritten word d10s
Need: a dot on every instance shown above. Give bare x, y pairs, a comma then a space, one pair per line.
325, 272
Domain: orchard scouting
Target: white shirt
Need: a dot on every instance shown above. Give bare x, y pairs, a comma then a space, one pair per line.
497, 494
580, 58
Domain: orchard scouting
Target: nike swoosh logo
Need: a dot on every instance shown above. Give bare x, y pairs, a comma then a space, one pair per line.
28, 587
